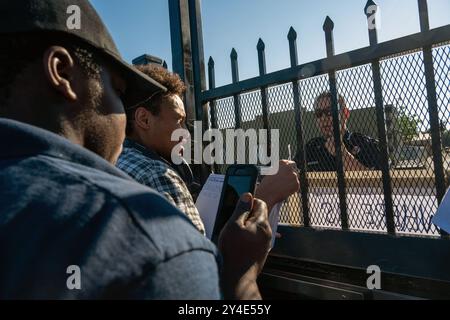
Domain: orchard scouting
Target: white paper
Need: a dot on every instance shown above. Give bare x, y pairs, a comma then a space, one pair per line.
442, 217
208, 206
208, 202
274, 218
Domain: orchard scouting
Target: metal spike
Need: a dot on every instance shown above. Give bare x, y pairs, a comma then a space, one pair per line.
328, 24
233, 54
369, 4
292, 35
261, 46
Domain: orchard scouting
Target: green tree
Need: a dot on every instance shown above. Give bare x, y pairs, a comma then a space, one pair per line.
408, 125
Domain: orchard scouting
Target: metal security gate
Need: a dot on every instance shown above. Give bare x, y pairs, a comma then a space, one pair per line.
343, 222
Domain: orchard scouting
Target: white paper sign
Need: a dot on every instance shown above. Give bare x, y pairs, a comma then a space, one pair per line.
274, 219
208, 202
413, 209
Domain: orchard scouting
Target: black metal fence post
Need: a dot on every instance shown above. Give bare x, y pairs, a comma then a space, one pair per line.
212, 104
262, 71
236, 99
198, 62
264, 92
188, 62
176, 33
328, 28
212, 85
180, 32
436, 140
370, 11
292, 37
433, 105
198, 70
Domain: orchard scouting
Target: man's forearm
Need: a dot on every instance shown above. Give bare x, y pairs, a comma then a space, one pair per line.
240, 287
262, 194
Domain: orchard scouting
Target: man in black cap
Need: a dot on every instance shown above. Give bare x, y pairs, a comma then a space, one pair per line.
72, 225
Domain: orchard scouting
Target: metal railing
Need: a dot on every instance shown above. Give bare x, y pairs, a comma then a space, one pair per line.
399, 94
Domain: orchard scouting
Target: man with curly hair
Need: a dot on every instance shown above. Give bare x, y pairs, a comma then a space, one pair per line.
148, 149
146, 155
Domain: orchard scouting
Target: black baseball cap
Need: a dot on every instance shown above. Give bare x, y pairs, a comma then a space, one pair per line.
52, 16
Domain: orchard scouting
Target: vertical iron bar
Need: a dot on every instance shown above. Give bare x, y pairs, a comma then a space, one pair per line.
198, 58
433, 109
434, 122
328, 28
236, 98
212, 104
212, 85
176, 35
180, 33
423, 15
292, 37
370, 10
262, 71
198, 70
264, 92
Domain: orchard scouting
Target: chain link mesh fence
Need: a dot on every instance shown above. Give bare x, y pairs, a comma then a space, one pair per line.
408, 136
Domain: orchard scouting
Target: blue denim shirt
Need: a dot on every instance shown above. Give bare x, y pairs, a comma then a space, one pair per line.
62, 206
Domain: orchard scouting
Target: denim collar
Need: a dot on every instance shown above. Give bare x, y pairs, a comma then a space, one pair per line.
20, 140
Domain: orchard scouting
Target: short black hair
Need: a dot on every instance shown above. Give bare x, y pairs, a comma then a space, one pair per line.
17, 51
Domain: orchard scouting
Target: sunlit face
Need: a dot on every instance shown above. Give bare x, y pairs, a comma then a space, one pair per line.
172, 116
324, 117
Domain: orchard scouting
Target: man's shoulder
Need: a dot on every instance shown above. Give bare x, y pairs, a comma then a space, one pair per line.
139, 166
152, 172
166, 226
159, 175
146, 213
360, 139
131, 157
78, 215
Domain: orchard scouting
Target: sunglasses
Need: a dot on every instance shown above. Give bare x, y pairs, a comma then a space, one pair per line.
323, 113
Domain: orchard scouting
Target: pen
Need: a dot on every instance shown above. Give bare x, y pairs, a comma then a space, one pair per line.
290, 158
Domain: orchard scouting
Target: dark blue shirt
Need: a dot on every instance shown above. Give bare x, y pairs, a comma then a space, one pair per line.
61, 206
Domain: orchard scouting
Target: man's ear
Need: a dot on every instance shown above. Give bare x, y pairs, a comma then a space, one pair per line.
143, 118
60, 69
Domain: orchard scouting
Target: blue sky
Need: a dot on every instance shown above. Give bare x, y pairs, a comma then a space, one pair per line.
142, 26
